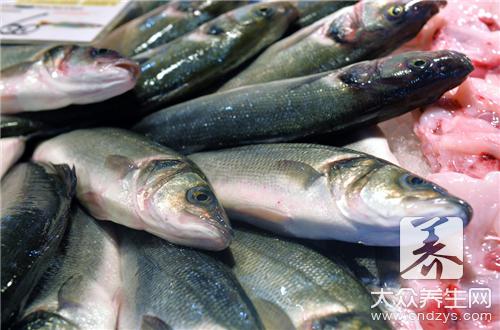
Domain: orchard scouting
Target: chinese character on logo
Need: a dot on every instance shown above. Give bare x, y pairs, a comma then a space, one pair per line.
431, 248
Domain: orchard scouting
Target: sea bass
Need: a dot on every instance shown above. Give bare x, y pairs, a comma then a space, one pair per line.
35, 203
361, 94
83, 284
125, 178
312, 11
171, 287
199, 58
323, 192
65, 75
163, 24
284, 277
364, 31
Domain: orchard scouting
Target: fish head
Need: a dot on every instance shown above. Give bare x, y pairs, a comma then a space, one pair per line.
394, 21
89, 70
391, 192
409, 80
181, 205
253, 25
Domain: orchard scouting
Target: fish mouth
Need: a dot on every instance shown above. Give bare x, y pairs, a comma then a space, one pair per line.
454, 64
460, 208
128, 65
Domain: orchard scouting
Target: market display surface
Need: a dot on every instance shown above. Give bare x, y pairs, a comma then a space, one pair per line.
255, 165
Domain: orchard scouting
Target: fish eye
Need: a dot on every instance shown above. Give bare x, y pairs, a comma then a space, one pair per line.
415, 181
418, 63
215, 30
95, 52
200, 196
395, 11
265, 12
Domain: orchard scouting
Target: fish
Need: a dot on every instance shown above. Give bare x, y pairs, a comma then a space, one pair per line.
35, 201
64, 75
83, 284
358, 95
13, 54
163, 25
125, 178
323, 192
289, 279
364, 31
135, 9
197, 59
172, 287
11, 149
312, 11
18, 126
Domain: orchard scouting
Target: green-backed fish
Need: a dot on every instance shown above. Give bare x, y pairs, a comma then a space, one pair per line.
311, 11
360, 32
322, 192
128, 179
358, 95
199, 58
83, 284
171, 287
163, 24
65, 75
285, 279
35, 203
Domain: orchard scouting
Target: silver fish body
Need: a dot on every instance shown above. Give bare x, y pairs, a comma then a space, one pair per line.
323, 192
171, 287
125, 178
163, 25
64, 75
358, 95
35, 204
314, 292
194, 61
366, 30
83, 284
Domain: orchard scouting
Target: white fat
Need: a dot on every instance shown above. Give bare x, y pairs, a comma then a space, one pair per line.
404, 144
373, 142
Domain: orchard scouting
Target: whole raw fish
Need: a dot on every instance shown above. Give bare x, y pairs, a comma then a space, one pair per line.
65, 75
163, 24
83, 283
171, 287
361, 94
366, 30
35, 203
125, 178
322, 192
199, 58
285, 279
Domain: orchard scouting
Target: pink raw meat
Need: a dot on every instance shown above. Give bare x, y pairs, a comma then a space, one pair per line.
481, 249
461, 132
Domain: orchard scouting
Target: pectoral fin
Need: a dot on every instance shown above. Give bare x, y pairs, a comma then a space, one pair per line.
301, 173
150, 322
120, 164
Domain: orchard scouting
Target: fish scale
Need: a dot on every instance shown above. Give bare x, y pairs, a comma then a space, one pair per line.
322, 192
358, 95
306, 286
182, 288
363, 31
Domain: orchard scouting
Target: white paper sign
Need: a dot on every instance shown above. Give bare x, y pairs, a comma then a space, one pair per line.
78, 21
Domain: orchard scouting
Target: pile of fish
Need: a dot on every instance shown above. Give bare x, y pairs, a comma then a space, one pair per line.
217, 165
